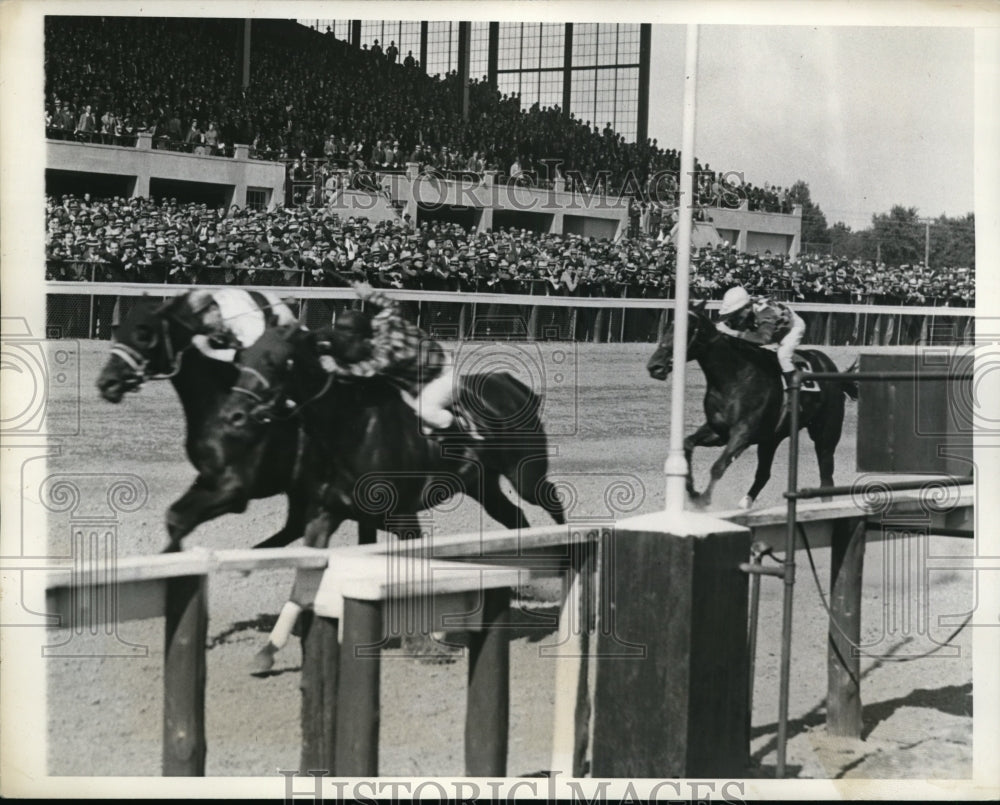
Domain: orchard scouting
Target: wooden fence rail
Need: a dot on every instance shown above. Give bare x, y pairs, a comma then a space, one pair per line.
362, 596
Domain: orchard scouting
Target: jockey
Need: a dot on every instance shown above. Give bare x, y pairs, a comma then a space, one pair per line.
391, 346
230, 319
764, 322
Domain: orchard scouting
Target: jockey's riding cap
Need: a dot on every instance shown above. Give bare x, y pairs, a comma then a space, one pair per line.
733, 300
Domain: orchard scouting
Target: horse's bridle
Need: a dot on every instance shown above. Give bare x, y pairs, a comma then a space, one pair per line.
258, 388
693, 333
698, 329
137, 362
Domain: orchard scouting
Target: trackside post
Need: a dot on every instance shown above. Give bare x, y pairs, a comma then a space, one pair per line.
678, 707
184, 671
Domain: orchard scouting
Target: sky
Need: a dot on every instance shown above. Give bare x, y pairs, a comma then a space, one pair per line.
868, 117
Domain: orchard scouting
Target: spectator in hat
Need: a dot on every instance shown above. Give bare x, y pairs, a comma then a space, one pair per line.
86, 125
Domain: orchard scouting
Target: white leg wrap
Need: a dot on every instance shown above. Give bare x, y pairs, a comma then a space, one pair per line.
286, 621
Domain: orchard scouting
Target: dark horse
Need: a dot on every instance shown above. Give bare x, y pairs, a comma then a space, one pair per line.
366, 457
154, 341
744, 402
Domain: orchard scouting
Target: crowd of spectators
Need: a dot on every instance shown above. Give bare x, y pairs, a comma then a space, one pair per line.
312, 95
141, 240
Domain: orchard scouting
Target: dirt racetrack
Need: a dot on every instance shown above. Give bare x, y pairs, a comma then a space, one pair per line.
608, 426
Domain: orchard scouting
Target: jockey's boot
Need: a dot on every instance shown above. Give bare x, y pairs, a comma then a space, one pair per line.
788, 379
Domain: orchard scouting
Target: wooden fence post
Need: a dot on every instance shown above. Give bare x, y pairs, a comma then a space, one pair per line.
487, 711
843, 696
320, 672
358, 689
672, 589
184, 677
574, 660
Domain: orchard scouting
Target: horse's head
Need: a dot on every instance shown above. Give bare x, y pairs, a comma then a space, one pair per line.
699, 327
142, 347
265, 387
150, 339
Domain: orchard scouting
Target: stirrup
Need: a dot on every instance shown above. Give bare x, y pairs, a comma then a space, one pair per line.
805, 384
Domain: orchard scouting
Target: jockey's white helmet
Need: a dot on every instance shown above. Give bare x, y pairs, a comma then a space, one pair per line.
733, 300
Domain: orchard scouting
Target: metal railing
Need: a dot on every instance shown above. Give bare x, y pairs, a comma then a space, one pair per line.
793, 494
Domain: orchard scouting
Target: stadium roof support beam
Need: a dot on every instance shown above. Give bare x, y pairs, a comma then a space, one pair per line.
642, 118
423, 45
247, 24
356, 33
492, 53
464, 50
567, 95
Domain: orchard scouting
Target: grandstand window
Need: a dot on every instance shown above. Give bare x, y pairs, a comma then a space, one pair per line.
550, 88
628, 44
370, 31
607, 44
408, 39
442, 47
479, 47
509, 49
582, 95
553, 44
406, 35
605, 99
257, 197
509, 83
627, 93
529, 89
531, 41
341, 29
584, 44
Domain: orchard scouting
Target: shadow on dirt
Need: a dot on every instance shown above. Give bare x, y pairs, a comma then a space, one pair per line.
953, 700
262, 624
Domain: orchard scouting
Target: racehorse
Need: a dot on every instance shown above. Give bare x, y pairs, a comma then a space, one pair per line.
155, 341
366, 457
745, 403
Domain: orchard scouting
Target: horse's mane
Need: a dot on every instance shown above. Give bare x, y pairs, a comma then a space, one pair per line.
751, 351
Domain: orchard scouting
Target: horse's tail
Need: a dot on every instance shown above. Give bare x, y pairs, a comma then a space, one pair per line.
851, 386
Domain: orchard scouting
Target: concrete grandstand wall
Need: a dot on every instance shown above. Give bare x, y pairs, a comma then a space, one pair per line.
752, 230
143, 165
145, 171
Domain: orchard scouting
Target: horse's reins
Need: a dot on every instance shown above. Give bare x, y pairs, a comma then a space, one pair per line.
265, 385
135, 360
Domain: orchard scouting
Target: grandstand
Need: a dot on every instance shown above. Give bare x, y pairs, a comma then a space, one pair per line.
273, 153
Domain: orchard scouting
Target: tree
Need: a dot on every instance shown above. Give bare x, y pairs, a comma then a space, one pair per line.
814, 228
900, 234
844, 242
841, 238
953, 241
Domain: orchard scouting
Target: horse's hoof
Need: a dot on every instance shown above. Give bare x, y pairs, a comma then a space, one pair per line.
263, 660
698, 500
745, 502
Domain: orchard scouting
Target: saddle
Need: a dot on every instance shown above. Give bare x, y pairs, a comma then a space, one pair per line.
807, 384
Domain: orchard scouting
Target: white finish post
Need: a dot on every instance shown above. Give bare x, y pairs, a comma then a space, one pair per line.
676, 465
